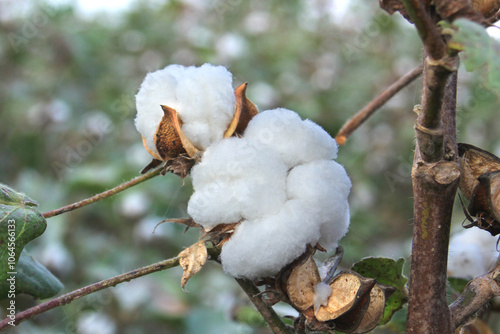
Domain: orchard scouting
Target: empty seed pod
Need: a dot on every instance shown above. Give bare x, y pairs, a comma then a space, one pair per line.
348, 288
473, 163
486, 7
298, 280
375, 310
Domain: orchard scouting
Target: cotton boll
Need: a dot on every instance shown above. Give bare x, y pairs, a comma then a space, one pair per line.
207, 97
203, 97
262, 247
323, 184
237, 179
158, 88
296, 141
472, 252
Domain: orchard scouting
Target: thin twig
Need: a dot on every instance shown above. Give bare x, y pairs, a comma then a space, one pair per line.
105, 194
69, 297
361, 116
476, 295
272, 319
426, 27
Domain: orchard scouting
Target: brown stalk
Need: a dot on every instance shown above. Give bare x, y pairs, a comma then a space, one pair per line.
71, 296
104, 194
476, 295
361, 116
272, 319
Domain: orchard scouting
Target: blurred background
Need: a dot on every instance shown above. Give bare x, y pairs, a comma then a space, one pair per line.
69, 71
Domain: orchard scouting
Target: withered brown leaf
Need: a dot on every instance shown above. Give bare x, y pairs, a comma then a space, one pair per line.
245, 111
192, 260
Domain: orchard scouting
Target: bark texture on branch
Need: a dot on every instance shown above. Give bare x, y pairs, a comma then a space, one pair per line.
435, 177
476, 295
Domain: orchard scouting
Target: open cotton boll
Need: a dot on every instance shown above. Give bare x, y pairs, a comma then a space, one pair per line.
203, 97
237, 179
472, 252
297, 141
262, 247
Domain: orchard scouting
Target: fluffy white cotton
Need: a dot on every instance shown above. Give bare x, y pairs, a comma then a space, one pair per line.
203, 97
322, 292
296, 141
280, 181
237, 179
472, 253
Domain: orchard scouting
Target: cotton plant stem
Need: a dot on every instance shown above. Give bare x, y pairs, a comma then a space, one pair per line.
104, 194
361, 116
435, 175
476, 295
270, 316
71, 296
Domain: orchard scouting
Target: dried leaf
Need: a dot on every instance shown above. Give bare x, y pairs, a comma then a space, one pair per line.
219, 234
192, 260
169, 138
180, 166
473, 163
188, 222
347, 289
245, 111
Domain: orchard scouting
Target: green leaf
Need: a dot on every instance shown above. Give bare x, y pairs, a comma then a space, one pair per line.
480, 52
34, 279
389, 272
20, 222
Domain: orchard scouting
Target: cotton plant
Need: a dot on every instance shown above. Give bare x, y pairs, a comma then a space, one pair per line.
267, 193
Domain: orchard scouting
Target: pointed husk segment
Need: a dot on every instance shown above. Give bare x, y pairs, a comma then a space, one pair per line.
245, 111
169, 138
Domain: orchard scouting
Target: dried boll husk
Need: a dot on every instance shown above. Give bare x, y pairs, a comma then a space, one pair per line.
473, 163
172, 143
245, 111
486, 7
375, 310
348, 288
298, 280
480, 184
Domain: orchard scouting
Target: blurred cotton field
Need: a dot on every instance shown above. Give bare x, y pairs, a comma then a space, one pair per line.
69, 80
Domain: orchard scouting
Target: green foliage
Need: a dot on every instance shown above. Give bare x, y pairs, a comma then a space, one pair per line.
34, 279
480, 52
20, 223
389, 272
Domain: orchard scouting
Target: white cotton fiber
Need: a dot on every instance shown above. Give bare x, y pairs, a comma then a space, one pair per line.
203, 97
296, 141
325, 185
322, 292
261, 247
472, 253
280, 182
237, 179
